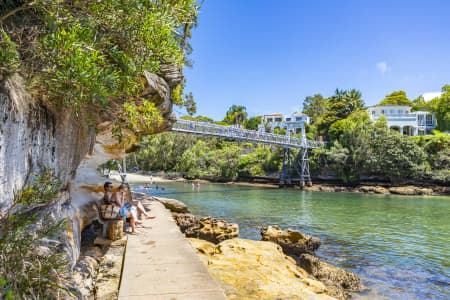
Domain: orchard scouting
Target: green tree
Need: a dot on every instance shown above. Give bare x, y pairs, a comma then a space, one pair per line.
351, 149
315, 106
396, 156
198, 118
441, 108
419, 104
236, 115
90, 56
253, 122
190, 104
396, 98
340, 106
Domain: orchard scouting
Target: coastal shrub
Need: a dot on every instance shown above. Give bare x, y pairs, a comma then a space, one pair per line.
89, 56
9, 57
396, 156
31, 263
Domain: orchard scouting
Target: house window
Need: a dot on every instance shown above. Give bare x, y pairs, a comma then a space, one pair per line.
429, 120
288, 119
400, 111
382, 111
298, 119
269, 120
277, 119
420, 119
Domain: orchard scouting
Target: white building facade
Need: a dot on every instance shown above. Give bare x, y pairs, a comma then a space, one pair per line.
293, 122
400, 117
277, 117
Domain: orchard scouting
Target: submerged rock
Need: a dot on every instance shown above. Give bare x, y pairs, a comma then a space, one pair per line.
291, 241
340, 282
249, 269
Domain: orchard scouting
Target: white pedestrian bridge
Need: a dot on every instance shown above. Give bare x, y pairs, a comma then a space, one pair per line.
235, 133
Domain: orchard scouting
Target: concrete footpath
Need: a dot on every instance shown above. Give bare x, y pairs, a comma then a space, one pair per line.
161, 264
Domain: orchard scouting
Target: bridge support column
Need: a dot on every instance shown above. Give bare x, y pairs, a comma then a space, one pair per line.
285, 176
305, 177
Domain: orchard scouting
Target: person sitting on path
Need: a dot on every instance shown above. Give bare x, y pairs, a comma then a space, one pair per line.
127, 210
108, 192
138, 204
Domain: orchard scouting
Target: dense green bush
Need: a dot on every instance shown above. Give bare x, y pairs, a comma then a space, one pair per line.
31, 264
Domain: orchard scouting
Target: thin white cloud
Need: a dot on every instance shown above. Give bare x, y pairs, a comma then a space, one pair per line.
431, 95
383, 67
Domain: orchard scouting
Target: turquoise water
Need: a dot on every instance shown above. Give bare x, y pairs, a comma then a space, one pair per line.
399, 245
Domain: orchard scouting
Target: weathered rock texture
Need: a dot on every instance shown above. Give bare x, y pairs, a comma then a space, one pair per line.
291, 241
110, 269
410, 190
257, 270
209, 229
173, 205
33, 138
374, 189
184, 221
341, 283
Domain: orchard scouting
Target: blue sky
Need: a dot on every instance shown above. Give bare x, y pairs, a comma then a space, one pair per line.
270, 55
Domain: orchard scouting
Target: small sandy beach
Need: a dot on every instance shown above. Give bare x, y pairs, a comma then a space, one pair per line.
138, 178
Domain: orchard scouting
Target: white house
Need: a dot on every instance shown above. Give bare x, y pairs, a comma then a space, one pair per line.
277, 117
401, 118
294, 122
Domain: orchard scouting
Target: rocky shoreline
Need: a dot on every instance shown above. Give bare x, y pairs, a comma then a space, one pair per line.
407, 190
282, 265
369, 188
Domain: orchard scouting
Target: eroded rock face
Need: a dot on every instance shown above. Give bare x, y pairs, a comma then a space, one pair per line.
33, 138
257, 270
340, 282
84, 275
291, 241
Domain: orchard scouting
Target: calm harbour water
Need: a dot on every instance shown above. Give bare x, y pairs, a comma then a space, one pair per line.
399, 245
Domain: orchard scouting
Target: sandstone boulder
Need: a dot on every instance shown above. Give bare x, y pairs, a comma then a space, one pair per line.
410, 190
340, 282
249, 269
213, 230
184, 221
291, 241
374, 189
173, 205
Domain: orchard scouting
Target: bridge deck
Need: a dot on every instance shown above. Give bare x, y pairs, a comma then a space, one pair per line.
231, 132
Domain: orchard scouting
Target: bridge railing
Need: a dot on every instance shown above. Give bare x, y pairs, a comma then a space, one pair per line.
233, 132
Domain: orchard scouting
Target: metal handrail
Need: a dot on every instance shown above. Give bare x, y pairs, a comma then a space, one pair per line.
203, 128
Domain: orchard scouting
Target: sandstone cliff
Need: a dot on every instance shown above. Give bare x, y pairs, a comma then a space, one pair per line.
35, 137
